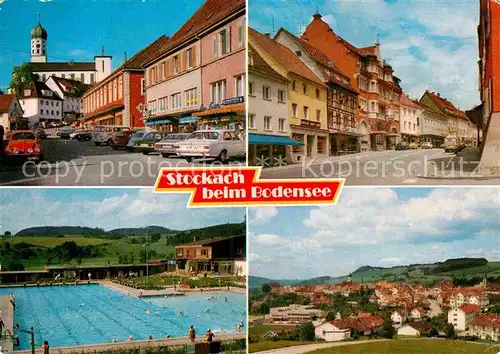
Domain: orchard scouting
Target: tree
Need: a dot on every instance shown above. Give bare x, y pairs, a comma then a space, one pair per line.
449, 331
266, 288
7, 233
330, 316
155, 237
387, 331
306, 332
21, 76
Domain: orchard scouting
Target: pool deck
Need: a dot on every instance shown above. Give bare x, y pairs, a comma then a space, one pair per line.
138, 344
7, 315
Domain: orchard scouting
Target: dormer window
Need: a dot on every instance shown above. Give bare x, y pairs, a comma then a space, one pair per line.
298, 53
27, 92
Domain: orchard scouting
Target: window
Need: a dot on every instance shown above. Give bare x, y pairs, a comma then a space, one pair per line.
82, 77
41, 111
267, 123
92, 78
304, 89
163, 104
317, 94
294, 85
251, 121
114, 90
223, 42
281, 124
318, 115
72, 76
218, 90
161, 71
294, 110
64, 76
190, 57
241, 33
363, 104
281, 96
27, 92
266, 92
240, 85
250, 89
143, 87
52, 112
191, 97
175, 61
176, 100
363, 85
306, 112
120, 87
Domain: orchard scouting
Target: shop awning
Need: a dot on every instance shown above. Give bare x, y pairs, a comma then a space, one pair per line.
158, 122
264, 139
186, 120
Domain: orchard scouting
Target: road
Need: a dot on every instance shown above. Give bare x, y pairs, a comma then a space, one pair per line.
312, 347
74, 163
384, 168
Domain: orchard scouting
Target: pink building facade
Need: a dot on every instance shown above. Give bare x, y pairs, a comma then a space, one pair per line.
223, 73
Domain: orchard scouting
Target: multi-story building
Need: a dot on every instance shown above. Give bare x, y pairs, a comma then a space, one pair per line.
411, 116
489, 82
11, 113
486, 326
71, 91
341, 96
461, 316
86, 72
117, 99
470, 295
379, 90
306, 94
224, 255
40, 103
268, 127
294, 314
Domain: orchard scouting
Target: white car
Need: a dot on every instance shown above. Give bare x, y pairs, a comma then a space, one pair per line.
217, 144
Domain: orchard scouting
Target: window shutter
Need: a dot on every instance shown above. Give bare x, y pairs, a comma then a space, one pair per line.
184, 61
215, 47
228, 42
169, 68
193, 51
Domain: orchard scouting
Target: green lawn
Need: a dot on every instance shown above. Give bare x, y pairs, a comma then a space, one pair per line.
56, 241
413, 346
270, 345
156, 282
260, 330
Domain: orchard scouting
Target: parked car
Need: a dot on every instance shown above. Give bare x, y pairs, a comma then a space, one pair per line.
65, 132
120, 139
413, 146
81, 135
134, 137
24, 144
166, 146
146, 145
103, 134
402, 146
452, 144
40, 133
427, 145
217, 144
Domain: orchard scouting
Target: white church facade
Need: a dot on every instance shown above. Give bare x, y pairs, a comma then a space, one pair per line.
86, 72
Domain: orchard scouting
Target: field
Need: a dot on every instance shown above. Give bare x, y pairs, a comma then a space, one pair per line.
413, 346
110, 250
270, 345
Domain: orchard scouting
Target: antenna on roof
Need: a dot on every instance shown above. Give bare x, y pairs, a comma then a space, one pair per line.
272, 33
124, 57
377, 42
38, 17
102, 50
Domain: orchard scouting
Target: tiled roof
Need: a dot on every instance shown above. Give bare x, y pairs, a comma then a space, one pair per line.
360, 324
404, 100
36, 88
5, 102
420, 326
487, 320
209, 241
79, 87
367, 50
261, 66
63, 66
283, 55
468, 308
211, 12
445, 105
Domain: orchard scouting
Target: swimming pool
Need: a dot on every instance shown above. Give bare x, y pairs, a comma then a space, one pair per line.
88, 314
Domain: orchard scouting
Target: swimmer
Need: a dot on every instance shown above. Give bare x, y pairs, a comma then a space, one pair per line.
241, 324
207, 310
67, 305
148, 312
181, 313
150, 337
225, 298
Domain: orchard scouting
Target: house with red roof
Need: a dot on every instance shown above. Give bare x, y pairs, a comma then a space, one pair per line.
333, 331
71, 91
486, 326
461, 316
415, 329
411, 116
11, 113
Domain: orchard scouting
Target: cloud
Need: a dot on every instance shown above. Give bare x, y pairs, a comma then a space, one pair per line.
269, 240
262, 215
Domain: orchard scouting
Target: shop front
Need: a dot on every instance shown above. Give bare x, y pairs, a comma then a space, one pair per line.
110, 116
229, 114
163, 125
188, 124
313, 139
269, 150
378, 140
345, 142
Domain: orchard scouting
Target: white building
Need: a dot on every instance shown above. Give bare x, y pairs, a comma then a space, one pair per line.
294, 314
399, 317
330, 333
10, 111
414, 329
268, 127
40, 103
86, 72
71, 91
460, 317
486, 326
417, 313
411, 115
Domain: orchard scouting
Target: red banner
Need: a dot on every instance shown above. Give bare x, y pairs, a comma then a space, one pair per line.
241, 186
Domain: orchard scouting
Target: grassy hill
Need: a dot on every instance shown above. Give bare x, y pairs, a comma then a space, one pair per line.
50, 231
426, 274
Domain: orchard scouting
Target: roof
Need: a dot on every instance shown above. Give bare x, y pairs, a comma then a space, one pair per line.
209, 241
446, 106
284, 56
36, 88
360, 324
404, 100
261, 66
38, 32
64, 84
210, 13
420, 326
6, 102
487, 320
368, 50
63, 66
469, 308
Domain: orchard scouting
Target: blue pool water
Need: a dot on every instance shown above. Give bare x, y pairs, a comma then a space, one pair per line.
97, 314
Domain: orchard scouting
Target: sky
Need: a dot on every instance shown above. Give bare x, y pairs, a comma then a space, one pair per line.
78, 28
105, 208
430, 44
374, 226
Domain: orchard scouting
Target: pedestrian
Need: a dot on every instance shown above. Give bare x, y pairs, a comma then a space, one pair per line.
45, 347
209, 336
2, 147
192, 334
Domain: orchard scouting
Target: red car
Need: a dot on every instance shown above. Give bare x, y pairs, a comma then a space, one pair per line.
120, 139
24, 144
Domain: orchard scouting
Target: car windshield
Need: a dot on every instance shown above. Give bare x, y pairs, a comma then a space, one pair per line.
138, 135
23, 136
152, 135
204, 136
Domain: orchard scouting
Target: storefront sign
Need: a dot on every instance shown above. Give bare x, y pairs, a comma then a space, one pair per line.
310, 124
234, 100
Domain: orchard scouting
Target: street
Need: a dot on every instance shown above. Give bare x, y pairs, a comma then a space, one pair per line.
408, 167
75, 163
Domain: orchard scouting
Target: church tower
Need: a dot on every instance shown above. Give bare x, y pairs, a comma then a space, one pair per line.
38, 43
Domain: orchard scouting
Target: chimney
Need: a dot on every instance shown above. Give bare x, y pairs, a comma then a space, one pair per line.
439, 95
124, 57
267, 34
